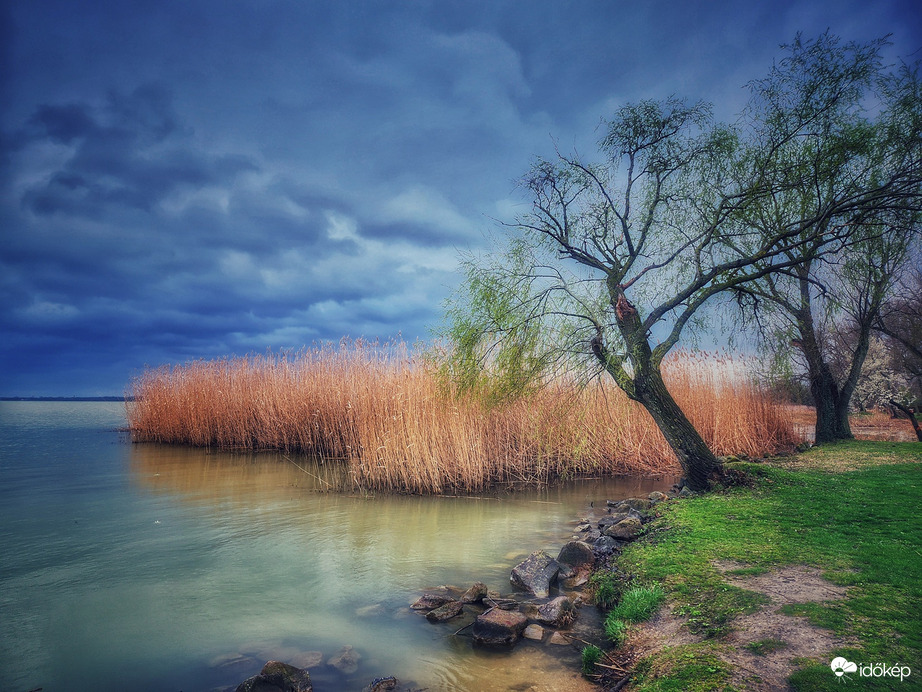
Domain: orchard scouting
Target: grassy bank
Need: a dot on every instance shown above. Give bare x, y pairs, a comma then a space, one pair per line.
736, 566
398, 425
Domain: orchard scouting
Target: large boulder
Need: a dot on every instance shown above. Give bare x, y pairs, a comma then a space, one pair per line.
535, 574
638, 503
576, 561
558, 612
498, 627
278, 677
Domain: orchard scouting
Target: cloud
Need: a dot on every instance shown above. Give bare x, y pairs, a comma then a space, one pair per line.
129, 152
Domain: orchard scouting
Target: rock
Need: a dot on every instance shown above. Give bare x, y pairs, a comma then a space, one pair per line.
638, 503
536, 574
559, 612
382, 685
475, 594
626, 530
534, 632
368, 611
576, 561
499, 627
429, 601
685, 492
617, 516
278, 677
346, 661
308, 659
582, 528
445, 612
606, 545
657, 496
558, 638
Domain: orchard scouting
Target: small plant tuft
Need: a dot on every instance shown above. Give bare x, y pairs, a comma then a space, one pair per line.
615, 629
591, 655
639, 603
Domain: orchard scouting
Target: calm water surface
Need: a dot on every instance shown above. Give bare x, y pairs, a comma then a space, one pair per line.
146, 567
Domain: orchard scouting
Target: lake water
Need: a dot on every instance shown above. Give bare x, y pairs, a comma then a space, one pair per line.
147, 567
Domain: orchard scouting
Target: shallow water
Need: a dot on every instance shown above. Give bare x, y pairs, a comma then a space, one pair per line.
148, 567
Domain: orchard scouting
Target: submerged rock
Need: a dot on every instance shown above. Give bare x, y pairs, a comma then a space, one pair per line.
278, 677
535, 574
499, 627
346, 661
533, 632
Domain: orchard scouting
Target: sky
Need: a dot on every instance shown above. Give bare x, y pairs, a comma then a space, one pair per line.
198, 178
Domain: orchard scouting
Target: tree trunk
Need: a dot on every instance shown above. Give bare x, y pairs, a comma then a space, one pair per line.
831, 411
911, 416
646, 386
698, 462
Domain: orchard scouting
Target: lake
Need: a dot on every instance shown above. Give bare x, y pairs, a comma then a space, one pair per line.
150, 567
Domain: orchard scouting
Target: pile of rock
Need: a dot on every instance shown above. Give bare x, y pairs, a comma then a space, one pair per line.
531, 611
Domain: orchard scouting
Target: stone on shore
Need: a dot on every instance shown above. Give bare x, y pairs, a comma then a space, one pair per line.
558, 612
535, 574
499, 627
576, 561
278, 677
445, 612
625, 530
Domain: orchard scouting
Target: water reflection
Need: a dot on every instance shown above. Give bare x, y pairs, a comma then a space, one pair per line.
294, 570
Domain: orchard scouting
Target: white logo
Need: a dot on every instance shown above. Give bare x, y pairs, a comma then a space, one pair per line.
840, 666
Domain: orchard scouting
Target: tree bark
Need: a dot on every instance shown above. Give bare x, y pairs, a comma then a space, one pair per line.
646, 386
911, 416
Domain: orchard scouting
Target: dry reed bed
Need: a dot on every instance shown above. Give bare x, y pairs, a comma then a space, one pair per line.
387, 415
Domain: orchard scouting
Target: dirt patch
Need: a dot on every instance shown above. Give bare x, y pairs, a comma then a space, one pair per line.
762, 647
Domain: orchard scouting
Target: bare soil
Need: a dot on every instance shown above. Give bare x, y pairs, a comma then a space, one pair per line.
784, 638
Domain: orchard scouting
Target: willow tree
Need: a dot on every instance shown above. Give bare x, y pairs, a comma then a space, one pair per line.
616, 257
841, 277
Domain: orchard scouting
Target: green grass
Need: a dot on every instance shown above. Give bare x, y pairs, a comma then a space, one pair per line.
763, 647
591, 655
861, 527
615, 630
639, 603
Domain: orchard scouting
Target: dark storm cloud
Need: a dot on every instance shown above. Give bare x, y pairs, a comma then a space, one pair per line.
127, 153
192, 179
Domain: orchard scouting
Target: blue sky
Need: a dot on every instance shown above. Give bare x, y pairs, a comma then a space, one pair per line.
191, 179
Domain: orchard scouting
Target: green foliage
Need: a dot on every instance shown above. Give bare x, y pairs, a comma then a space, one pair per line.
639, 603
591, 655
605, 587
615, 629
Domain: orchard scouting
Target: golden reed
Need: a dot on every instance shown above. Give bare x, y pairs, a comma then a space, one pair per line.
386, 414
